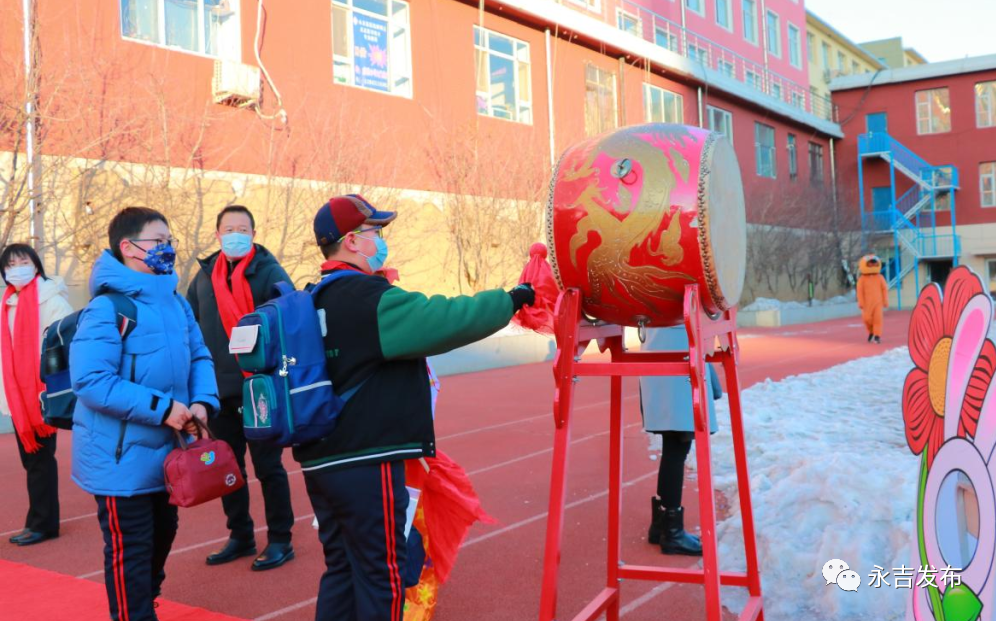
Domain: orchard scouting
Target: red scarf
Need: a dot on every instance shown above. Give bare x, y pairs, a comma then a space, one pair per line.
236, 302
333, 264
21, 381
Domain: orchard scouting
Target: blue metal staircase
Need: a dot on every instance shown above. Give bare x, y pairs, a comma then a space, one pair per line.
910, 219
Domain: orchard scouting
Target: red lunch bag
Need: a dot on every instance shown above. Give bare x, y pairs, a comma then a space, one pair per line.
201, 470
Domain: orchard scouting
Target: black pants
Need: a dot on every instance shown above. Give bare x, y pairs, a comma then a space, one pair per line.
43, 486
361, 522
266, 461
671, 476
138, 534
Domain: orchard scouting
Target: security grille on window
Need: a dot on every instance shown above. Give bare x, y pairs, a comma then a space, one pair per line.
662, 106
985, 104
793, 157
799, 100
816, 163
933, 111
776, 90
371, 47
504, 87
753, 79
987, 183
666, 39
726, 68
749, 8
209, 27
774, 35
795, 52
764, 145
628, 22
721, 121
599, 100
699, 54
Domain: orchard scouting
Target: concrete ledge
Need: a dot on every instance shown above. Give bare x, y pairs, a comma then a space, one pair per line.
795, 315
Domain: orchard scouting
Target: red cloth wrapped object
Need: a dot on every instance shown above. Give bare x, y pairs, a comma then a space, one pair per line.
539, 274
451, 507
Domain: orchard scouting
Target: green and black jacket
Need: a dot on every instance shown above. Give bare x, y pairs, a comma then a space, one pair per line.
379, 335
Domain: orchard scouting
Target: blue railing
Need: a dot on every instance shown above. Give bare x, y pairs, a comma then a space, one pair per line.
880, 142
908, 201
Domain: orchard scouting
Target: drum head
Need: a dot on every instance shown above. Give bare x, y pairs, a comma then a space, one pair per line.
723, 225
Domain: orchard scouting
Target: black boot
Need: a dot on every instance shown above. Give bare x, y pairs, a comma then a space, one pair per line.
878, 340
656, 521
870, 337
675, 540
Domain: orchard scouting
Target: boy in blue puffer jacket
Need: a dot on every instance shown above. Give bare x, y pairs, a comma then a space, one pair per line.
131, 396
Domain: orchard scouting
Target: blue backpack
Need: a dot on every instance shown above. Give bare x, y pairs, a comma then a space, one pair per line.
289, 399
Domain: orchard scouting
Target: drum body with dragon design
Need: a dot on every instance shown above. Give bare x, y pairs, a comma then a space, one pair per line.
637, 214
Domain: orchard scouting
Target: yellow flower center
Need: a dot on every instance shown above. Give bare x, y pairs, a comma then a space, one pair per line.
937, 374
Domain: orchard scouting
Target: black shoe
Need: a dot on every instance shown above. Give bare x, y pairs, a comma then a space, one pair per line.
878, 340
275, 555
674, 539
870, 337
21, 535
234, 549
31, 537
656, 521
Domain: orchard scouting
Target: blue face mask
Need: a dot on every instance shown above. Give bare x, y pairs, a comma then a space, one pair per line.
236, 245
160, 259
377, 260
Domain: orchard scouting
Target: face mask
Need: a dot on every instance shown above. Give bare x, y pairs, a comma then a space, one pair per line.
20, 275
377, 260
236, 245
160, 259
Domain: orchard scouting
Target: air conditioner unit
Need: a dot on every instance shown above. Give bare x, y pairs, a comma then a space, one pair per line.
236, 84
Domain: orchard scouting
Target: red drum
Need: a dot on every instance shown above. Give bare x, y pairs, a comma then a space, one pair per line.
637, 214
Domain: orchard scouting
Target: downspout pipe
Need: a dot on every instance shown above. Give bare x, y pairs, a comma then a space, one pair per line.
549, 101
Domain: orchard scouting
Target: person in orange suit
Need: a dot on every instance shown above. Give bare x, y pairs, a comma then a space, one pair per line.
873, 295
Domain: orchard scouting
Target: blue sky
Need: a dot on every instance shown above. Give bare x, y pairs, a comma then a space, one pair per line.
938, 29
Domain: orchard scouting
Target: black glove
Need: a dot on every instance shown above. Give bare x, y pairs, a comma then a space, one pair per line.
522, 295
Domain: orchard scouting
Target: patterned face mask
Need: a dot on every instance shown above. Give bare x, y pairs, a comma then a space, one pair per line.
160, 258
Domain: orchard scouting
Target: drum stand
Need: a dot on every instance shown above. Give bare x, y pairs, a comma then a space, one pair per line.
573, 334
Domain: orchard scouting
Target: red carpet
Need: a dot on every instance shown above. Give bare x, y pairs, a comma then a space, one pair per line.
31, 594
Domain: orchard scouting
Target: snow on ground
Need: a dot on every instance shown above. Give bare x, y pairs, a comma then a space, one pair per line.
831, 478
766, 304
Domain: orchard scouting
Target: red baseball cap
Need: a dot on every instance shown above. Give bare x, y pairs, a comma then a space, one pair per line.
343, 214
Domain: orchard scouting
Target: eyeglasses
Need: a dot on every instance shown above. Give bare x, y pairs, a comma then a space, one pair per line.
171, 242
377, 230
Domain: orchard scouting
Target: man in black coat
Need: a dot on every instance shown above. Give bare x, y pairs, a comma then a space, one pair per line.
230, 284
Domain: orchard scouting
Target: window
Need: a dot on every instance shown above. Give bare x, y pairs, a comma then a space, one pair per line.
599, 100
749, 9
666, 39
764, 145
933, 111
726, 68
699, 54
942, 202
799, 100
591, 5
792, 157
724, 14
504, 80
774, 35
841, 62
721, 121
854, 67
985, 104
810, 40
776, 90
825, 52
696, 5
991, 277
795, 52
629, 22
987, 183
753, 79
209, 27
816, 163
371, 47
661, 106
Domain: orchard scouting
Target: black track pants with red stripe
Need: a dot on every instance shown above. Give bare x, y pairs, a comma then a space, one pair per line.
138, 534
361, 522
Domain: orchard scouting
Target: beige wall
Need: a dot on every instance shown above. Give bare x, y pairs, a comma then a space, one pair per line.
818, 76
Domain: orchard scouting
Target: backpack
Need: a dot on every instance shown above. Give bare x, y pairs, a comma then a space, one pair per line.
289, 399
58, 401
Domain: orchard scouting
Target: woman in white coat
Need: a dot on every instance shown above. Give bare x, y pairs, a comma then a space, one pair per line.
30, 303
666, 405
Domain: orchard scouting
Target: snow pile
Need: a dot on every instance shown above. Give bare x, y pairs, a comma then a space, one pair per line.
769, 304
831, 478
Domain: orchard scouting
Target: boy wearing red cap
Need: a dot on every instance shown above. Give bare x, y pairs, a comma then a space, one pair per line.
377, 337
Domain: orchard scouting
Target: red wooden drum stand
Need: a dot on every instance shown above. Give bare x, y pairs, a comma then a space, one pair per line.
573, 333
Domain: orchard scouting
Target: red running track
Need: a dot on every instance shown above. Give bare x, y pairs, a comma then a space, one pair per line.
498, 426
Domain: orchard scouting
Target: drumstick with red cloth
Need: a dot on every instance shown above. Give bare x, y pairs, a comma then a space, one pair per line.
539, 316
